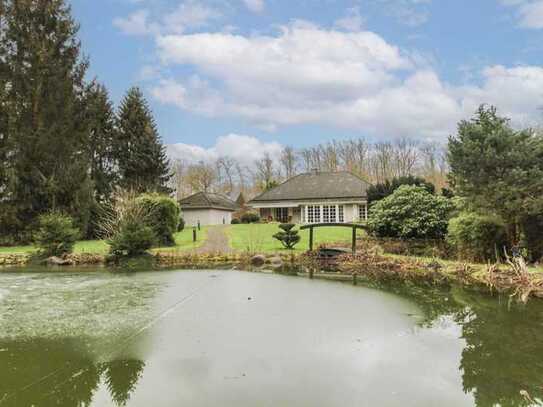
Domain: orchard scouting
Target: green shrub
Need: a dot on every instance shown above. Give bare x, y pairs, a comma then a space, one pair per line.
287, 236
532, 236
235, 221
377, 192
132, 239
410, 212
477, 237
56, 234
250, 217
181, 225
163, 217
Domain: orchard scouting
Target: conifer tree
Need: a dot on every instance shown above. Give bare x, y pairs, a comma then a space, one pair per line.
141, 157
47, 133
102, 136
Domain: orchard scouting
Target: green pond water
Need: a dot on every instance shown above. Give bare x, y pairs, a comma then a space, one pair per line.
228, 338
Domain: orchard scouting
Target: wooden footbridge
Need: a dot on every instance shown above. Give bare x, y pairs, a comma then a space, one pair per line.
353, 226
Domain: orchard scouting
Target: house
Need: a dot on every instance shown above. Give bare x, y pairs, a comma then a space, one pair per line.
207, 208
315, 197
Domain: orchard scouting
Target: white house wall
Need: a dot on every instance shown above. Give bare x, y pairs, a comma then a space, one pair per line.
207, 217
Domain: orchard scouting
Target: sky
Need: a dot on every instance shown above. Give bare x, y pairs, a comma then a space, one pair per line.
244, 77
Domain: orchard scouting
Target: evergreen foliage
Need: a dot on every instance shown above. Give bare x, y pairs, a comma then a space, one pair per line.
382, 190
477, 237
164, 217
411, 212
133, 239
61, 145
43, 111
143, 165
56, 234
287, 236
497, 169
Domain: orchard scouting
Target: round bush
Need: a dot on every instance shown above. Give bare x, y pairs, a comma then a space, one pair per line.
477, 237
56, 234
181, 225
133, 239
250, 217
163, 217
235, 221
410, 212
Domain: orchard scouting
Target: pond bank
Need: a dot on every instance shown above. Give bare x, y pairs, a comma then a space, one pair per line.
512, 278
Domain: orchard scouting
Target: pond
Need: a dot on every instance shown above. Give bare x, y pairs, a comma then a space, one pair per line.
228, 338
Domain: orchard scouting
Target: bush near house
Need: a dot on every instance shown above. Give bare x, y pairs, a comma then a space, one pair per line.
56, 234
411, 212
477, 237
163, 216
250, 217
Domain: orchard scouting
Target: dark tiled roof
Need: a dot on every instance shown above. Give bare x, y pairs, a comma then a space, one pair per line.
317, 185
208, 200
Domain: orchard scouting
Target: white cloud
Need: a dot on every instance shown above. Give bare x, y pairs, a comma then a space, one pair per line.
352, 21
188, 15
245, 149
135, 24
408, 12
309, 75
530, 12
256, 6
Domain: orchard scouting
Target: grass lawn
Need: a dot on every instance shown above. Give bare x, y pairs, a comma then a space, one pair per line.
259, 237
183, 241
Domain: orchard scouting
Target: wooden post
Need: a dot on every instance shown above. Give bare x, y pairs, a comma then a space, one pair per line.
354, 240
355, 278
194, 234
311, 239
311, 271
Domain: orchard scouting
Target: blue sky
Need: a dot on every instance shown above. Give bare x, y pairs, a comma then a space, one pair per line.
264, 73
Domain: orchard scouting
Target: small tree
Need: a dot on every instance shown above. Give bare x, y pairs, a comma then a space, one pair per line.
164, 216
287, 236
56, 234
411, 212
125, 223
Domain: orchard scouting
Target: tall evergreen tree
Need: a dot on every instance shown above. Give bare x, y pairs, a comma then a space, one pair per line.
498, 169
47, 133
102, 136
141, 157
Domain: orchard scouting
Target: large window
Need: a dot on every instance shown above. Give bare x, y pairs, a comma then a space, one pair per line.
281, 215
330, 213
313, 214
362, 212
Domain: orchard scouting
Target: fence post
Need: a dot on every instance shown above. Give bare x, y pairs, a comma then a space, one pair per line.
354, 240
194, 234
311, 239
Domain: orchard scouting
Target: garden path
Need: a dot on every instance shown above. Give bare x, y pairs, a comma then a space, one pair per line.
216, 242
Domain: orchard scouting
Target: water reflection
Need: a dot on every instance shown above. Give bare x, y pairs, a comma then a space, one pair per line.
61, 373
290, 335
502, 360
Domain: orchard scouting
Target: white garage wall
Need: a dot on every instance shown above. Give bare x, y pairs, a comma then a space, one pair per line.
207, 217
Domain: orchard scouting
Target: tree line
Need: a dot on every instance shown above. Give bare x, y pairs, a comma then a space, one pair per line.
63, 145
374, 162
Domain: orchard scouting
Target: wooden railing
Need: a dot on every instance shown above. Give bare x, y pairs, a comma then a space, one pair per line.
353, 226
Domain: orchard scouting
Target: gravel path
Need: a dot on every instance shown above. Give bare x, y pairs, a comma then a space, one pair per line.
217, 241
